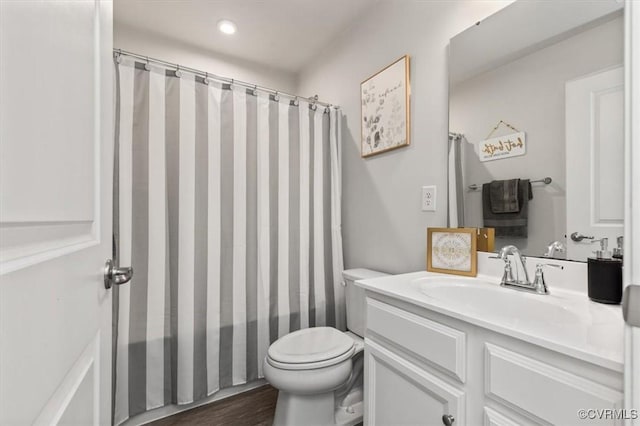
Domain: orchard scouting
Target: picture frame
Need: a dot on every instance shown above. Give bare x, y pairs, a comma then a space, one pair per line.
452, 251
385, 114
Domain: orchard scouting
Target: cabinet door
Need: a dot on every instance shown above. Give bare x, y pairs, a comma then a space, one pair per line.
397, 392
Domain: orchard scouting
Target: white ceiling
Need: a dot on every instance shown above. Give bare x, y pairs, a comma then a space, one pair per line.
284, 34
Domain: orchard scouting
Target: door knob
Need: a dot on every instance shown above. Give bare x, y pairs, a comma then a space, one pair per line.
448, 419
577, 237
116, 275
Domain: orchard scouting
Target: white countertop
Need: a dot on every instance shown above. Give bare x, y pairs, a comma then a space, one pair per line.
576, 327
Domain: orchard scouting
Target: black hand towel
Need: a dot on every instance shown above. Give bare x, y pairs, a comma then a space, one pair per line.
515, 224
504, 196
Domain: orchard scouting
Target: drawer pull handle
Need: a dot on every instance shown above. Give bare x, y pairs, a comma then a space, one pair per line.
448, 419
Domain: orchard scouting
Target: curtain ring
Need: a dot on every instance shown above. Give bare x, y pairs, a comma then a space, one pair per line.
178, 72
206, 78
255, 90
147, 66
295, 101
276, 97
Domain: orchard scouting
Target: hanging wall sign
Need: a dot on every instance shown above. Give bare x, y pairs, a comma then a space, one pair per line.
506, 146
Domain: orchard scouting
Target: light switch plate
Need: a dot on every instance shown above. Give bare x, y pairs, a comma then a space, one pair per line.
429, 198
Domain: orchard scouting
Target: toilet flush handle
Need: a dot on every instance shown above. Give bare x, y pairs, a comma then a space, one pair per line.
448, 419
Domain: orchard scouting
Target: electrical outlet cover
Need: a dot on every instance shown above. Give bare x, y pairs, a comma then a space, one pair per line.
429, 198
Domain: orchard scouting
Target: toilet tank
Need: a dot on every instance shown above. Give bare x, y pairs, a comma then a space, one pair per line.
355, 298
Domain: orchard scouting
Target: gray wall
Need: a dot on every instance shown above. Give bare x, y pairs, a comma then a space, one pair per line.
529, 93
383, 226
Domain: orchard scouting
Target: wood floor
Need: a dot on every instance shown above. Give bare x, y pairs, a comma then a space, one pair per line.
253, 408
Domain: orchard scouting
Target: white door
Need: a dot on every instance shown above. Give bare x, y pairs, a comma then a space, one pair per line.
400, 393
595, 161
631, 270
56, 166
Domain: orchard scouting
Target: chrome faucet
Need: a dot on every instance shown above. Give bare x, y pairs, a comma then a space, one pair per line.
520, 264
538, 285
553, 248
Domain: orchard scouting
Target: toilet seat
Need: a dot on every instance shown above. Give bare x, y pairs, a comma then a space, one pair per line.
310, 348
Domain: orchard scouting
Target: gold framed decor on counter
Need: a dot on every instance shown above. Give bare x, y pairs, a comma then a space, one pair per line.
486, 239
452, 251
385, 109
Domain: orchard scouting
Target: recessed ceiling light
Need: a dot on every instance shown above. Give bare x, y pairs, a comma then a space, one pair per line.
227, 27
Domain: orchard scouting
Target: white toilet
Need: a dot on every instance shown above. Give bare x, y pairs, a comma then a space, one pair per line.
318, 371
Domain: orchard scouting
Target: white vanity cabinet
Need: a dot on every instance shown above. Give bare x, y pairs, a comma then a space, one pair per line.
426, 368
400, 392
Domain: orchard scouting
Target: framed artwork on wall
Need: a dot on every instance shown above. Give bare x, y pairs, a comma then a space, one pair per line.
384, 103
452, 251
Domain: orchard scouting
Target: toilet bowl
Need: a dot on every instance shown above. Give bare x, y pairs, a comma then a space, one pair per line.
318, 371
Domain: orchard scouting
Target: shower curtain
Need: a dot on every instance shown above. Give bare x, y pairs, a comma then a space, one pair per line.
455, 190
228, 209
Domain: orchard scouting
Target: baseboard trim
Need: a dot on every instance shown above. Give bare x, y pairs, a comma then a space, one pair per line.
170, 410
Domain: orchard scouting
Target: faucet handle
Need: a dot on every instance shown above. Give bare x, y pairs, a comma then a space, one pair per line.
551, 265
539, 282
507, 276
505, 259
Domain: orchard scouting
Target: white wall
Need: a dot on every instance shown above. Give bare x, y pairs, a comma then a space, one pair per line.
529, 93
383, 226
157, 46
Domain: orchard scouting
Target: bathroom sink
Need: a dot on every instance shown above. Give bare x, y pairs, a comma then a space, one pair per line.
562, 320
481, 296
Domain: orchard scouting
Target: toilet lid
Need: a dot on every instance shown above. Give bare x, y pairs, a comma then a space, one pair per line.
310, 345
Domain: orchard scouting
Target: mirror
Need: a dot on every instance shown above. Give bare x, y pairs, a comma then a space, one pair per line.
536, 93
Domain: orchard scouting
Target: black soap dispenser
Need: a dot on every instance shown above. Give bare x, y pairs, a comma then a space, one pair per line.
617, 251
605, 276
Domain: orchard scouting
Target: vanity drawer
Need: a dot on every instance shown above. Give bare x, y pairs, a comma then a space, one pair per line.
438, 344
542, 391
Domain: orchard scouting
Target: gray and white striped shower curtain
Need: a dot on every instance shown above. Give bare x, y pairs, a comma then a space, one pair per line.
228, 209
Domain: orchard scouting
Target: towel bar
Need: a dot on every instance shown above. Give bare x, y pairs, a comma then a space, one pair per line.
546, 181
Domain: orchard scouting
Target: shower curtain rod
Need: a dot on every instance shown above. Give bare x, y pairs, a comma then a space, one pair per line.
178, 67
